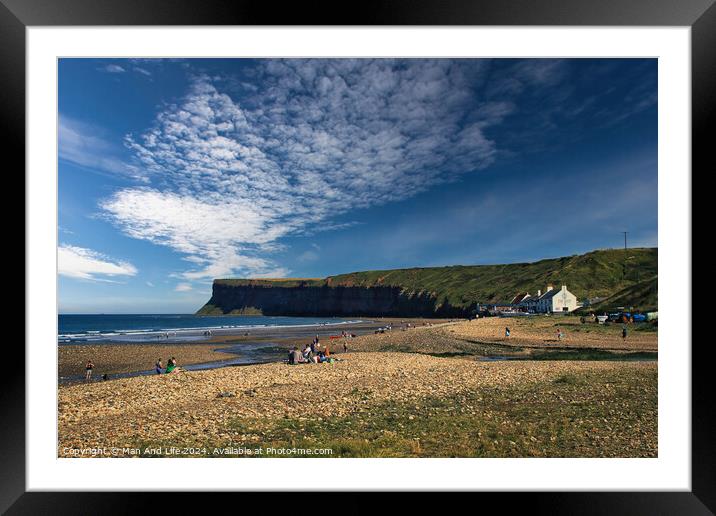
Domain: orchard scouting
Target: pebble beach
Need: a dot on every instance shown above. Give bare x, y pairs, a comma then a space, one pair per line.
376, 402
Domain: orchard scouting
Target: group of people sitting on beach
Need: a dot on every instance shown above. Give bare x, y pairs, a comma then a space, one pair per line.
313, 353
171, 366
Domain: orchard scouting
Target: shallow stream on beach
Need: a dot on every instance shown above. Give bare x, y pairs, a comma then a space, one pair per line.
248, 353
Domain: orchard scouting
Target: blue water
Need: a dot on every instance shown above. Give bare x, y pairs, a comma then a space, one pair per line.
78, 328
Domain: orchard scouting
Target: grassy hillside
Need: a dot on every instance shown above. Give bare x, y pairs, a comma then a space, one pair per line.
596, 274
642, 295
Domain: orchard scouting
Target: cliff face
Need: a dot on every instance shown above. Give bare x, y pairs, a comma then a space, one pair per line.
325, 301
441, 291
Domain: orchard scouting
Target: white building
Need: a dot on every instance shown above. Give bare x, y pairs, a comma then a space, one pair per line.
552, 301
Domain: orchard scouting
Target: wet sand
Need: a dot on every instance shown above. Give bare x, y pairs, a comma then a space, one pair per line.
113, 358
124, 358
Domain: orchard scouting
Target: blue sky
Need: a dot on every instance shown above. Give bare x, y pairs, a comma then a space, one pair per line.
175, 172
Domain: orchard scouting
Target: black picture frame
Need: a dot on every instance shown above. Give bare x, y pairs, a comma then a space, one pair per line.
700, 15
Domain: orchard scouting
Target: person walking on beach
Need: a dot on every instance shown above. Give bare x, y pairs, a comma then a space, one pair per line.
345, 346
559, 334
507, 331
624, 334
88, 370
158, 366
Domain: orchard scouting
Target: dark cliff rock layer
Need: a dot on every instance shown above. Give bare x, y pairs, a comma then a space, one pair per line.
326, 301
454, 291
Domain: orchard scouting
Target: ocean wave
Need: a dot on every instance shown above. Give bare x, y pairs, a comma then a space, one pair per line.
137, 334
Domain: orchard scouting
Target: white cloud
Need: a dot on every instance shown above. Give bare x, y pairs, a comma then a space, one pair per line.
113, 68
82, 263
317, 138
183, 287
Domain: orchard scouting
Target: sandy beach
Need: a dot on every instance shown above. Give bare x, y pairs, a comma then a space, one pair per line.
124, 358
376, 403
114, 358
531, 333
541, 331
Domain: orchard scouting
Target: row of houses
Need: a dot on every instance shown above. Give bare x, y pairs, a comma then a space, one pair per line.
551, 301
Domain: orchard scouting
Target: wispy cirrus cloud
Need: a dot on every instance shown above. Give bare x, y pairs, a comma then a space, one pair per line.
141, 70
83, 263
113, 68
86, 146
232, 169
229, 178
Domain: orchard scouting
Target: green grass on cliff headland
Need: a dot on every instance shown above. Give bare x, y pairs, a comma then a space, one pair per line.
622, 278
643, 295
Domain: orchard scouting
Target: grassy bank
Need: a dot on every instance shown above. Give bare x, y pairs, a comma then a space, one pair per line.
575, 415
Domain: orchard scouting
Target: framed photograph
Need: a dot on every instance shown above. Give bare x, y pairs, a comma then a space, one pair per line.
432, 247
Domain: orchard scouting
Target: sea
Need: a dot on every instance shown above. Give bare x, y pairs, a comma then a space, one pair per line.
143, 328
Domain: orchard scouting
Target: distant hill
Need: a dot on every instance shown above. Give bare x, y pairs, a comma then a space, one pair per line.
642, 296
595, 274
444, 291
